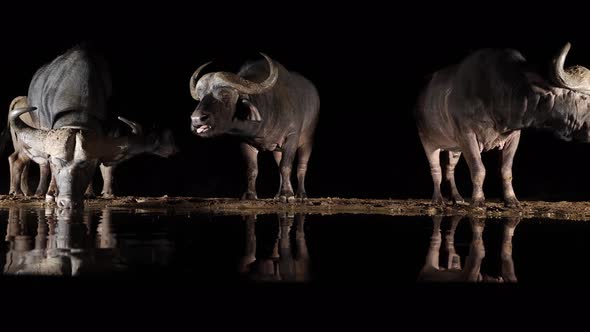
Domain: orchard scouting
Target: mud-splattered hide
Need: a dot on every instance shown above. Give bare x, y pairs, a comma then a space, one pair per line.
67, 129
73, 163
74, 154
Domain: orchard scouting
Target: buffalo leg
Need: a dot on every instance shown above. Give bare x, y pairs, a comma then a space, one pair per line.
454, 260
289, 150
44, 174
251, 155
433, 156
507, 268
11, 161
477, 252
507, 157
250, 253
89, 193
432, 260
52, 191
303, 153
285, 224
300, 237
286, 258
24, 179
278, 155
477, 169
107, 179
16, 164
450, 176
301, 266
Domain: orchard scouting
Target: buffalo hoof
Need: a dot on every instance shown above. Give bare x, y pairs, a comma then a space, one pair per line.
287, 197
511, 202
108, 195
438, 200
49, 198
458, 200
249, 195
16, 193
302, 197
478, 203
511, 222
510, 279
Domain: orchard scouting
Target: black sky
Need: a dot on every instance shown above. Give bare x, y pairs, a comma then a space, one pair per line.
368, 61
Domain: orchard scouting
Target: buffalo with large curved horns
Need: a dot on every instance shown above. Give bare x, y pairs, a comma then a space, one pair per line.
67, 127
269, 108
483, 102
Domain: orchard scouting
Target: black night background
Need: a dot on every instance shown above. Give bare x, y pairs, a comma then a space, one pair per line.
368, 62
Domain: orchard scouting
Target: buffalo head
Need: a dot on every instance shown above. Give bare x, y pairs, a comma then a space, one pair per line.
575, 96
224, 100
75, 152
575, 78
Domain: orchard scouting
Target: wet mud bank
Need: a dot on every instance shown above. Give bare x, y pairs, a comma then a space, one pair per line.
574, 211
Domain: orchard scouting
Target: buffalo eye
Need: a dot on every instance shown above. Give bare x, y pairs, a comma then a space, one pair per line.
242, 109
225, 98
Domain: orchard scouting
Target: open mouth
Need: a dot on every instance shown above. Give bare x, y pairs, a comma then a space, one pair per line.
203, 128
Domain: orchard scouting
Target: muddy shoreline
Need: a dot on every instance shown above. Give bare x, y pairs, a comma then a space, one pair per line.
579, 211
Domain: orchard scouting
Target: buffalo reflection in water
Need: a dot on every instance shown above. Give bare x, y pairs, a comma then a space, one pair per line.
470, 272
60, 242
284, 263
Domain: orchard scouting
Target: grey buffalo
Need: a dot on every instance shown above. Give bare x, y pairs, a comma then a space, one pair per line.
432, 271
286, 262
65, 242
269, 108
20, 163
483, 102
67, 133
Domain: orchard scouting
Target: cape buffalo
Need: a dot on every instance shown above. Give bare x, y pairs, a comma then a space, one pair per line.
268, 108
68, 131
19, 162
285, 262
66, 242
470, 272
483, 102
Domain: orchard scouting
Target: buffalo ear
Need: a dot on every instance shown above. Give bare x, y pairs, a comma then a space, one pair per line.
252, 113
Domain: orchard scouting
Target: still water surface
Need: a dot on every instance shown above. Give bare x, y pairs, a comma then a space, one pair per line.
329, 249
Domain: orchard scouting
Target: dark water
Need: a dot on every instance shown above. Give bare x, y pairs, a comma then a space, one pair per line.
351, 250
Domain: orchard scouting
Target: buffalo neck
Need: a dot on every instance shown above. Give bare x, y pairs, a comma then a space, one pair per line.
245, 129
255, 129
563, 111
83, 120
